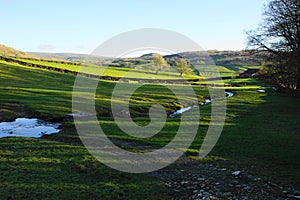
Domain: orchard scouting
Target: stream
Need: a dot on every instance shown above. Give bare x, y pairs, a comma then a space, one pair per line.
207, 101
36, 128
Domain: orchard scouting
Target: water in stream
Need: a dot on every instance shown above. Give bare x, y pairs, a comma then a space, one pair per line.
207, 101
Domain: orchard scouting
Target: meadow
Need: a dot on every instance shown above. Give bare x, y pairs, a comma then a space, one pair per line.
261, 129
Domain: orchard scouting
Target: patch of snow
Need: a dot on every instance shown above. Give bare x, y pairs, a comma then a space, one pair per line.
79, 114
206, 101
180, 111
229, 94
261, 91
24, 127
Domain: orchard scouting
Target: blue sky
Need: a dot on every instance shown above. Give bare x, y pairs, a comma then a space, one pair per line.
80, 26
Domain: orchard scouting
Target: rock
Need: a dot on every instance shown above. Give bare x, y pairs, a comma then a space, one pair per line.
227, 194
294, 197
247, 187
236, 173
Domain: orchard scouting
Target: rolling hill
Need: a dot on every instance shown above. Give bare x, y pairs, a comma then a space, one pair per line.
11, 52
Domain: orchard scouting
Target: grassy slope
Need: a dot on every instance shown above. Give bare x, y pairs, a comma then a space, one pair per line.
250, 136
44, 169
41, 169
224, 71
113, 71
8, 51
263, 131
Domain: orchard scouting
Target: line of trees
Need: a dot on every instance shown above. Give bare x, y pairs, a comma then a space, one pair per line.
182, 65
279, 33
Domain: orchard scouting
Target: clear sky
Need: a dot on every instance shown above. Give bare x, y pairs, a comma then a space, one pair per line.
81, 25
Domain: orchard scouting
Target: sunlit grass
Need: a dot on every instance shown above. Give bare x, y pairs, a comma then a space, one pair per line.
261, 129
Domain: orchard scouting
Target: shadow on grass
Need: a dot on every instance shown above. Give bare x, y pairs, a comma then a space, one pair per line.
264, 134
34, 168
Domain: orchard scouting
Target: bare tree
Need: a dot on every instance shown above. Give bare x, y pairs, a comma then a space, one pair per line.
279, 33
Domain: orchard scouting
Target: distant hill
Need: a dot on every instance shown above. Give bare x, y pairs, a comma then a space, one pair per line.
226, 58
11, 52
62, 56
221, 58
72, 57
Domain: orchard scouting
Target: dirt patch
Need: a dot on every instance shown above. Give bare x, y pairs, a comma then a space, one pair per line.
194, 179
191, 179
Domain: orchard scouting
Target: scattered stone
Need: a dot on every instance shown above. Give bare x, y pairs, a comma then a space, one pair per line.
190, 179
236, 173
294, 197
247, 187
227, 194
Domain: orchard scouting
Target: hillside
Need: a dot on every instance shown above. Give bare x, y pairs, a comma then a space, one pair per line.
72, 57
11, 52
227, 58
221, 58
61, 56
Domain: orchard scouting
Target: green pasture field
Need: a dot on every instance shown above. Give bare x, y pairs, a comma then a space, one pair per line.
138, 72
261, 130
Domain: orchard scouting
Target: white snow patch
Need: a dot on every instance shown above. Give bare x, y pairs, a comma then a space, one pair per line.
206, 101
24, 127
261, 91
180, 111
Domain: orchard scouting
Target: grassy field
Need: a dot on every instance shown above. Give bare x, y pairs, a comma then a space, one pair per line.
47, 169
138, 72
261, 130
224, 71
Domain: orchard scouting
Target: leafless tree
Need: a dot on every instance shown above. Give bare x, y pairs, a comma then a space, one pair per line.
279, 33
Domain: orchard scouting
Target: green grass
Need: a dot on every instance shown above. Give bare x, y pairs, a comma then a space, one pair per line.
57, 170
48, 93
242, 68
41, 169
261, 129
224, 71
88, 68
